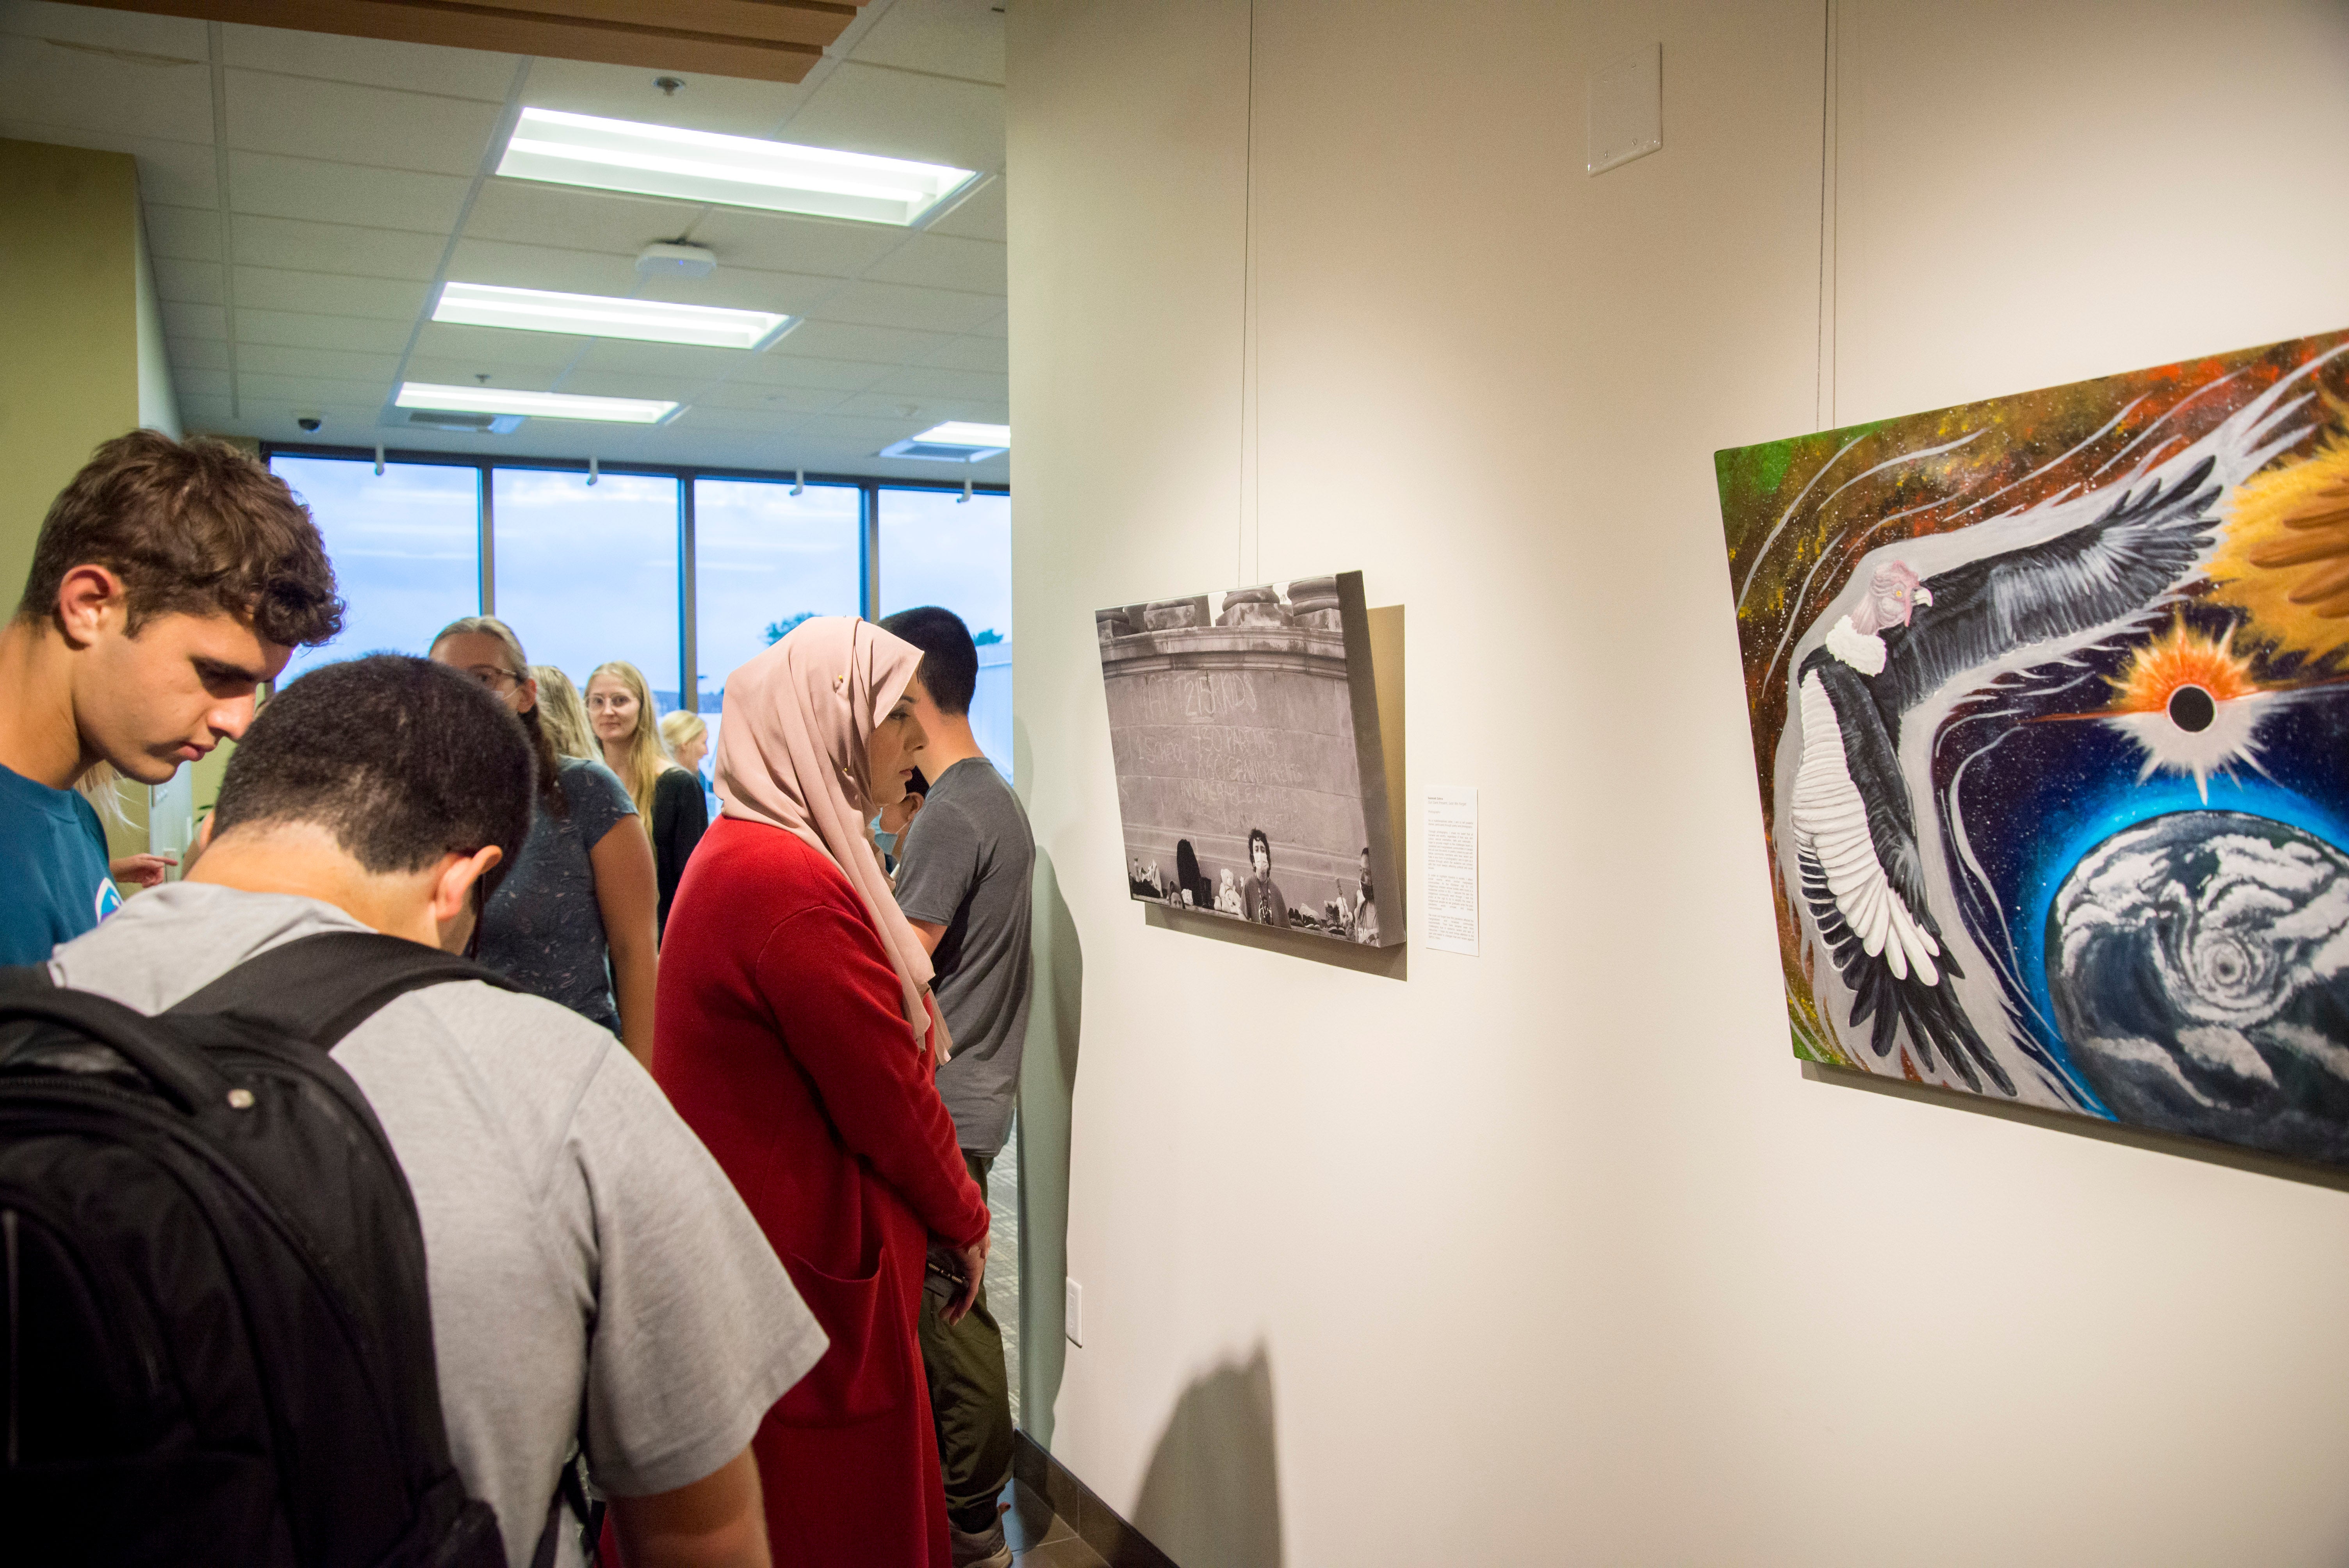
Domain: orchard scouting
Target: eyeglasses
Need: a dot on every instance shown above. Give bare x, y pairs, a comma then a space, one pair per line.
493, 678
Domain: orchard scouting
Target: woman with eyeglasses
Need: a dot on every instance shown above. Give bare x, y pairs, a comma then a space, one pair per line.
572, 920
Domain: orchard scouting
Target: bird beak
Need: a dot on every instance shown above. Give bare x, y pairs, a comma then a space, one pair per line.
1924, 595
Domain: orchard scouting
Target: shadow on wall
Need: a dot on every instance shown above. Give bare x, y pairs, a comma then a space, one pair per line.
1047, 1081
1212, 1494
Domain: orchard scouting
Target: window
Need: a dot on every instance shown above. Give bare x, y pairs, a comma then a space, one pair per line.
764, 560
588, 574
406, 546
938, 548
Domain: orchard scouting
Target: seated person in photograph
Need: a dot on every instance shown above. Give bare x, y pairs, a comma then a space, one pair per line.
1227, 897
1191, 889
594, 1278
564, 716
1366, 909
572, 919
965, 875
169, 581
1261, 900
893, 822
668, 797
799, 1038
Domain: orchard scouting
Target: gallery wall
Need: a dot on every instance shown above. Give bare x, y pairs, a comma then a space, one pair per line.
69, 316
1554, 1254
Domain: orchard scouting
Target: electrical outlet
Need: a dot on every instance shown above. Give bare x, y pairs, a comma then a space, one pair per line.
1073, 1317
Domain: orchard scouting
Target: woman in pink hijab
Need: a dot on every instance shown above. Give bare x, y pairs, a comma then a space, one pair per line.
797, 1036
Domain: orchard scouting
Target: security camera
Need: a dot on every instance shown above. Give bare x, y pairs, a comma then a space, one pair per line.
308, 421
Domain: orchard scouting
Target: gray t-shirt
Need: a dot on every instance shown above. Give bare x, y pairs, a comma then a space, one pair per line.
967, 863
593, 1273
544, 929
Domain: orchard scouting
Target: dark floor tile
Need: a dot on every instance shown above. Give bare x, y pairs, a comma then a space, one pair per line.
1032, 1521
1065, 1552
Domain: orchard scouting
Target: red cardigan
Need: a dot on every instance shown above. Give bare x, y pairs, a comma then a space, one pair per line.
783, 1042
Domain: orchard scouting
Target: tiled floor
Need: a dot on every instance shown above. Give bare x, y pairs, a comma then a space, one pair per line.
1042, 1539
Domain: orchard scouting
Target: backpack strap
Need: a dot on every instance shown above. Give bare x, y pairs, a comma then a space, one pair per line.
319, 988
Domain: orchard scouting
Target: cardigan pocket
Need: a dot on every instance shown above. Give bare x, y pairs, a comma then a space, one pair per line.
863, 1373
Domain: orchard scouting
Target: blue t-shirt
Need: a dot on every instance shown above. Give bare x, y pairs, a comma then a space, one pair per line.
53, 880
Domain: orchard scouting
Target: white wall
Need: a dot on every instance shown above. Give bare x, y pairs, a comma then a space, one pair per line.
158, 403
1553, 1254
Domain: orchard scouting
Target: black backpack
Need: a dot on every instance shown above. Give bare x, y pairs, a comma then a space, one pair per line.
218, 1344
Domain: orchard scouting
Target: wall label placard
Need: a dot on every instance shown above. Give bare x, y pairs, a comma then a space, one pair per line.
1450, 871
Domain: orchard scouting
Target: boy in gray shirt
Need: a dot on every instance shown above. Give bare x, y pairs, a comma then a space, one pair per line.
963, 879
593, 1277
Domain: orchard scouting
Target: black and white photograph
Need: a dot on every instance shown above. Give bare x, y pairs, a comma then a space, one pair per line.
1250, 777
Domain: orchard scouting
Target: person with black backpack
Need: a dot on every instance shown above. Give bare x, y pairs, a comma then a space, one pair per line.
219, 1346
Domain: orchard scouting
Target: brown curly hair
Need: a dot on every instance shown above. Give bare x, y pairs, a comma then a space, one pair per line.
191, 527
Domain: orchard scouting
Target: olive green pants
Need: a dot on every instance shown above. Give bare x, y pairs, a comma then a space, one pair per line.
971, 1398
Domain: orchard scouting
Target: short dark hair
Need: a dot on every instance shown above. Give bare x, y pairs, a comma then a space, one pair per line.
191, 527
1256, 837
949, 658
917, 785
402, 759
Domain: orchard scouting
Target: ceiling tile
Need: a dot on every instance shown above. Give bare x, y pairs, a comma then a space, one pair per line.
179, 173
329, 294
742, 288
899, 114
777, 243
897, 305
943, 262
190, 233
926, 411
978, 216
700, 366
568, 217
439, 372
316, 363
199, 413
868, 435
306, 389
343, 123
732, 105
196, 353
778, 368
542, 267
337, 332
195, 381
166, 99
194, 320
946, 37
107, 29
272, 419
996, 325
931, 381
787, 400
276, 187
837, 340
771, 420
973, 353
494, 345
420, 67
194, 283
292, 244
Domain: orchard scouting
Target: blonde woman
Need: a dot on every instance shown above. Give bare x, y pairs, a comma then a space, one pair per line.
581, 894
668, 797
566, 716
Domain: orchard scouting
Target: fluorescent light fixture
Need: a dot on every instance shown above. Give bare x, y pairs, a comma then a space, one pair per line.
961, 433
602, 315
955, 441
534, 405
737, 171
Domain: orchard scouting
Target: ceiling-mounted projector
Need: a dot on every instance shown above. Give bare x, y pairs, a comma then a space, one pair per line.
670, 259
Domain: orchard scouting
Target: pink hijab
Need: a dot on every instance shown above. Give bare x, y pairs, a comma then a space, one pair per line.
792, 754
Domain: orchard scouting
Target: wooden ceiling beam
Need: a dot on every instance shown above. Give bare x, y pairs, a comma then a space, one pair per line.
761, 40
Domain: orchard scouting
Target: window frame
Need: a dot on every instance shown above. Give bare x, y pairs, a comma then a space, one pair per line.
868, 544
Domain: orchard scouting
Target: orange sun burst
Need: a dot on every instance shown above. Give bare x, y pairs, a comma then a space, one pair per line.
2186, 658
2190, 705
